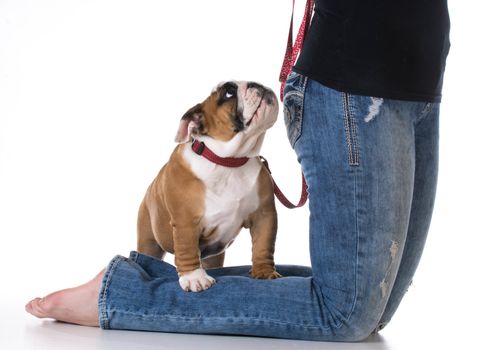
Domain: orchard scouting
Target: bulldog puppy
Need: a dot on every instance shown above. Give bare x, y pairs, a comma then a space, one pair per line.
195, 208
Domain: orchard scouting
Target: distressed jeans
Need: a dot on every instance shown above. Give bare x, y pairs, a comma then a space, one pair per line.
371, 169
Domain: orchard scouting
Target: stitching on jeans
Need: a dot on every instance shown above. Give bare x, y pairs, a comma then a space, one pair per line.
355, 147
303, 88
291, 93
205, 318
305, 81
346, 124
350, 130
357, 194
102, 305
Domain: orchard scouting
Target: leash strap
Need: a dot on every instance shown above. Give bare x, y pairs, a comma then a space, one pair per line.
291, 54
281, 197
292, 51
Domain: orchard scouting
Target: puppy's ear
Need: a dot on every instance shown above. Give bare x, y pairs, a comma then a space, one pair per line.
190, 123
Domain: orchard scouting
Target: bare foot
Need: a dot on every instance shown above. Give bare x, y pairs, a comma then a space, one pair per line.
74, 305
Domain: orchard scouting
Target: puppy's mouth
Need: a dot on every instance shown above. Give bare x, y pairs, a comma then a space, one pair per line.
268, 96
254, 114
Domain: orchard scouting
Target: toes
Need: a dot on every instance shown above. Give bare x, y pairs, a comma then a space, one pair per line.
195, 286
274, 275
207, 282
196, 281
36, 308
184, 284
45, 307
28, 306
265, 274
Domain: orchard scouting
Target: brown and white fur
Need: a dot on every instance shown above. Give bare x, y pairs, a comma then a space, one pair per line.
195, 208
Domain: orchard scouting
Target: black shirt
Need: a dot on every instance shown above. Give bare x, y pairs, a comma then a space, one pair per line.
383, 48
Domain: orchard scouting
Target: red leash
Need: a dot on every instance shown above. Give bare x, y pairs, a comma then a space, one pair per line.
291, 54
281, 197
292, 51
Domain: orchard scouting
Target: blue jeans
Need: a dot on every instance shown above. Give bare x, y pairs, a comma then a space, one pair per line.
371, 169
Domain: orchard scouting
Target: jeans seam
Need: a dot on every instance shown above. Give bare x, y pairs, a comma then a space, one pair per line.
424, 113
303, 89
205, 318
354, 301
102, 306
350, 130
357, 245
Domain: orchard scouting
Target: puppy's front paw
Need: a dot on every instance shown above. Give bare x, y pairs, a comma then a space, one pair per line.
196, 281
264, 273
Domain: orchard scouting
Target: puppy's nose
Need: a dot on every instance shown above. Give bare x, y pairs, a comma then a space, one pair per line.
263, 92
261, 89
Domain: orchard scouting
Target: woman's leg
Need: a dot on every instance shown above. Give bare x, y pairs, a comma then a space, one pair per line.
79, 305
358, 157
425, 180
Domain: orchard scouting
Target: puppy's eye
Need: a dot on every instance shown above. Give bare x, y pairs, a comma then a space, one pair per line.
231, 91
227, 93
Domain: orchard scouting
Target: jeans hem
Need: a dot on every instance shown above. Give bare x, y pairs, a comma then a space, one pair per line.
103, 292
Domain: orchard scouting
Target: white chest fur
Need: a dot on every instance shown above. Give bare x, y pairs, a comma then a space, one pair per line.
231, 196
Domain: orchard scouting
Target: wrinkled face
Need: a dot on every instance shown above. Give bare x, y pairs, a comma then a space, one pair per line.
231, 108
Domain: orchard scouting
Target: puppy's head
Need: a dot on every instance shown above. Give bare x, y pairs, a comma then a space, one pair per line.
233, 107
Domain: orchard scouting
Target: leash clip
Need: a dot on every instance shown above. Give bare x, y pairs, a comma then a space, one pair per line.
265, 163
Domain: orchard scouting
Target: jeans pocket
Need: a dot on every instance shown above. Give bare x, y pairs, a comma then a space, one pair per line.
293, 105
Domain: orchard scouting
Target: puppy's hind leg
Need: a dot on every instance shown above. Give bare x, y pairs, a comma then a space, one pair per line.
146, 243
214, 261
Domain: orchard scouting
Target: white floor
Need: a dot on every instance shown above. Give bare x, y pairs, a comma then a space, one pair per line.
19, 330
24, 332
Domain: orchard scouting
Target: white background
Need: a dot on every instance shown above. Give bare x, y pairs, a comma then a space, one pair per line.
91, 93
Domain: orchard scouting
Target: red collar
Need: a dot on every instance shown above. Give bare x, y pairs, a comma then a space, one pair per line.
202, 150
